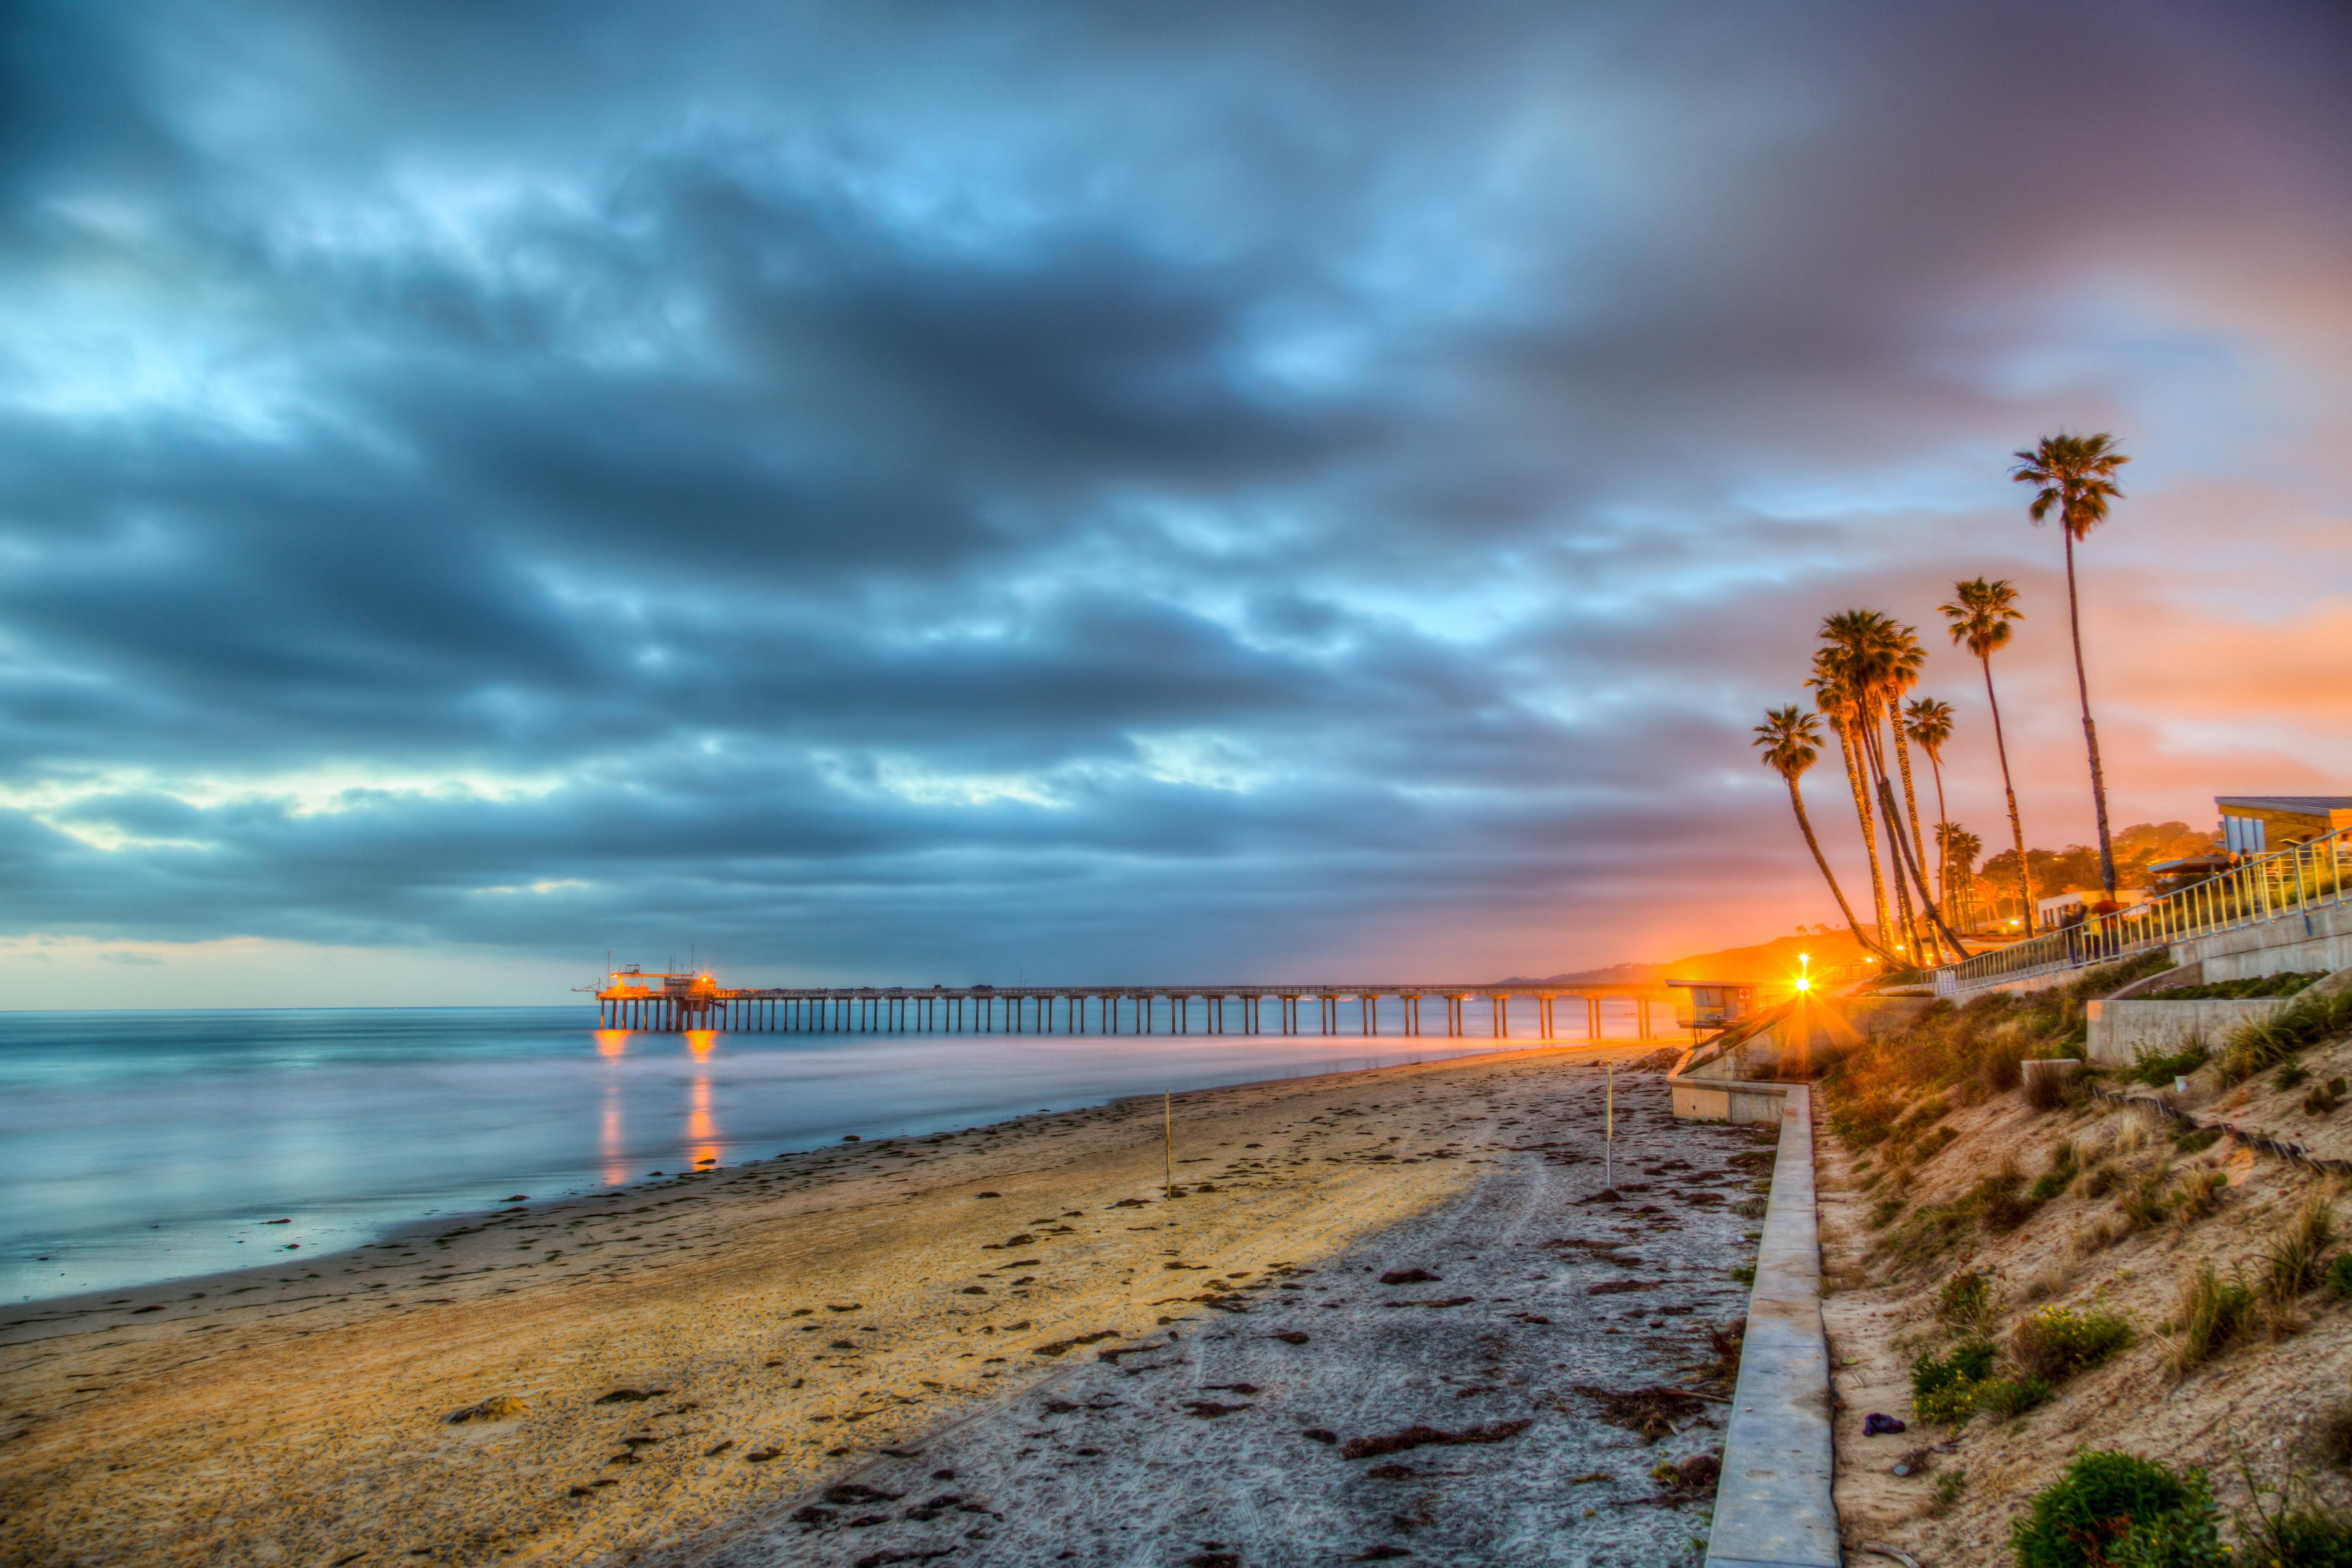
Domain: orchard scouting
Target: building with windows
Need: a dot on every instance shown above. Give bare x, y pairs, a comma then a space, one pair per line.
2253, 824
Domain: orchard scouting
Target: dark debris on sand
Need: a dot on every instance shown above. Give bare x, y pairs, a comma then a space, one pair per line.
1458, 1436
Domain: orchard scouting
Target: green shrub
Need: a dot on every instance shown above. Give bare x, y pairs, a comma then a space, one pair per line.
2195, 1196
2010, 1397
2325, 1098
2196, 1140
2306, 1540
1923, 1114
1883, 1212
2107, 978
2266, 1042
1995, 1200
1929, 1230
2336, 1438
1964, 1304
2056, 1343
1944, 1388
2291, 1264
2212, 1312
1949, 1488
2144, 1204
2080, 1518
2291, 1076
2064, 1161
2158, 1070
2338, 1277
2188, 1536
2285, 985
1744, 1272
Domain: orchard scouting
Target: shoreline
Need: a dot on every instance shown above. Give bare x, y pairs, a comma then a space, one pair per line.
331, 1221
311, 1416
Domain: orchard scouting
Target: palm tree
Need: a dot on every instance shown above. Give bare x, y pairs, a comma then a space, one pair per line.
1960, 849
1792, 740
1839, 706
1979, 615
1873, 658
1929, 723
2075, 475
1903, 662
1862, 649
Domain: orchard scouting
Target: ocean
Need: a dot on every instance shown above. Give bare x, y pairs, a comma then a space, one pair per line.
142, 1147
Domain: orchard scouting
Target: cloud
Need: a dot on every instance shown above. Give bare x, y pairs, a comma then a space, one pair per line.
876, 492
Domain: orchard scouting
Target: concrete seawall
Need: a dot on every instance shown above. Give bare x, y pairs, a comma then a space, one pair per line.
1773, 1508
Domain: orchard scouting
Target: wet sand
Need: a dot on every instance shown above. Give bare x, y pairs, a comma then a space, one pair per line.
695, 1356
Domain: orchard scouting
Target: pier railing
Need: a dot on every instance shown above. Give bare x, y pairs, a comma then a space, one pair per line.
697, 1002
2285, 881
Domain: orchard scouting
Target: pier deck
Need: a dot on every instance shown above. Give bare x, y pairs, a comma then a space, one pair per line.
678, 1003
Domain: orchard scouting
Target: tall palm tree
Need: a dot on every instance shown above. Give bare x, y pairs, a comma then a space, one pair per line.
1929, 723
1834, 695
2075, 476
1904, 659
1874, 658
1791, 740
1980, 614
1860, 649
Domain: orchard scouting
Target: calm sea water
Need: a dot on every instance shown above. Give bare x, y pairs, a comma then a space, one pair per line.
143, 1146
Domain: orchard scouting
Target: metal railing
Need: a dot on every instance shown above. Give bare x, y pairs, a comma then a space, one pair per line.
2292, 880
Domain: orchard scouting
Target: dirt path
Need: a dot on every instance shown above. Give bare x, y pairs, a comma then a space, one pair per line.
1223, 1438
784, 1320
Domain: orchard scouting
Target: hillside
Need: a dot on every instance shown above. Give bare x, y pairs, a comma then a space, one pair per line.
2081, 1274
1766, 961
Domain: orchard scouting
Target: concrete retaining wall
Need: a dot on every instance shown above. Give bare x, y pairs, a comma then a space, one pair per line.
1742, 1104
2123, 1029
2317, 941
1773, 1508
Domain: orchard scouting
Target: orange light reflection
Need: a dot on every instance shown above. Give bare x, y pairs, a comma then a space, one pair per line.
701, 1132
611, 1042
616, 1172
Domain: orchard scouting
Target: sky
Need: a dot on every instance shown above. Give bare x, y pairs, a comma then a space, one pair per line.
897, 493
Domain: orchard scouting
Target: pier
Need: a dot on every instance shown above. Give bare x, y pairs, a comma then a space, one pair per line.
680, 1003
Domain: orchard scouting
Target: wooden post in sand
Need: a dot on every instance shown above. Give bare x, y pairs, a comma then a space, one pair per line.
1168, 1136
1609, 1133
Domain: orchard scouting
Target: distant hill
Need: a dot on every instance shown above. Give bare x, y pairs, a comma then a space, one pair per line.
1771, 960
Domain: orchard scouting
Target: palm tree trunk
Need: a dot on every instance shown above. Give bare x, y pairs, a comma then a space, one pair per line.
1905, 862
1943, 845
1797, 798
1874, 756
2016, 826
1910, 805
2090, 731
1869, 836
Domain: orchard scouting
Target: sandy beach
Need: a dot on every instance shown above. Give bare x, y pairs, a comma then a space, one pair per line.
678, 1370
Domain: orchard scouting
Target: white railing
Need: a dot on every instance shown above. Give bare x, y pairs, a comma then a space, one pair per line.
2292, 880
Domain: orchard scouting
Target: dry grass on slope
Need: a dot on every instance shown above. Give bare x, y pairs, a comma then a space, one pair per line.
2084, 1276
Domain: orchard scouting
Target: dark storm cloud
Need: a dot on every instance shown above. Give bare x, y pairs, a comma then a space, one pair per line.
874, 489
